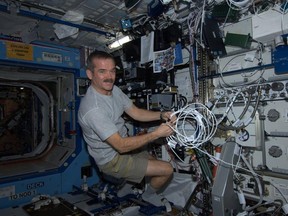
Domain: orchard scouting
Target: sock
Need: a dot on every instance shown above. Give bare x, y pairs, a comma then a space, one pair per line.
151, 196
125, 190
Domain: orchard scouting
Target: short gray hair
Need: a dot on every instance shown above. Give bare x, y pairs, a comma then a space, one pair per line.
97, 55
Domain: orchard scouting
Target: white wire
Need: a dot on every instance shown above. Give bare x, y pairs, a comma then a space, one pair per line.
226, 18
229, 104
187, 111
193, 22
256, 176
281, 193
239, 5
258, 79
237, 163
239, 122
129, 9
261, 71
249, 170
202, 124
202, 22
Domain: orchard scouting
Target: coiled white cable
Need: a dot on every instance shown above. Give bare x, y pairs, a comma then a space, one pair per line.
195, 125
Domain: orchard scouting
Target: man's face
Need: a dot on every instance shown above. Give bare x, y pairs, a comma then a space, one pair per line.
103, 76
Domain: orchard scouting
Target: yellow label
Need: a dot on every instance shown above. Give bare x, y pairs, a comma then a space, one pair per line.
19, 51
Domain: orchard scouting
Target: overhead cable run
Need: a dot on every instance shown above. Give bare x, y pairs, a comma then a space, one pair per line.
55, 20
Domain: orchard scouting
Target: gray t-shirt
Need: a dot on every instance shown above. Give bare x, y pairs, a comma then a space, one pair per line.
99, 117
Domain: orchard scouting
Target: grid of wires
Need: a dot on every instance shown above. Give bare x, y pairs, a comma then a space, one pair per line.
195, 21
240, 92
195, 125
230, 100
244, 96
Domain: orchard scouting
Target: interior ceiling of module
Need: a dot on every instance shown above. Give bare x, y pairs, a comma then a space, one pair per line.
98, 21
99, 15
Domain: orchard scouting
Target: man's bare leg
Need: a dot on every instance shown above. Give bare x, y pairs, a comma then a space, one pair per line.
160, 173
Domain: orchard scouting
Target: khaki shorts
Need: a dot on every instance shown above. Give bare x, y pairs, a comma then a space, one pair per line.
131, 167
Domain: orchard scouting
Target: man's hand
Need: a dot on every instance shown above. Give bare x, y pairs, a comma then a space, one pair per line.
167, 116
165, 129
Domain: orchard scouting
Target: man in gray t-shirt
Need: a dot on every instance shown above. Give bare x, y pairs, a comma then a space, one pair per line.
100, 117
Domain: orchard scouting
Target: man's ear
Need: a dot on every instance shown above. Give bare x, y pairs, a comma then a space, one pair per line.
89, 74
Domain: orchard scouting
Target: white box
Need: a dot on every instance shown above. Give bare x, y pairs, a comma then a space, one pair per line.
269, 24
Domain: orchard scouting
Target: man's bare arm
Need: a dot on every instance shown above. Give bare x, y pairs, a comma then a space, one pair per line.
147, 115
127, 144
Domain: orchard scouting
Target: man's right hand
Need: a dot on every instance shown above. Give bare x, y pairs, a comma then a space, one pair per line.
165, 129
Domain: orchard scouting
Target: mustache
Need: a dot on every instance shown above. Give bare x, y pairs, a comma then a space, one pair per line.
109, 80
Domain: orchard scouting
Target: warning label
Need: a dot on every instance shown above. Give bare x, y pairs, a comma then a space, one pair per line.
19, 51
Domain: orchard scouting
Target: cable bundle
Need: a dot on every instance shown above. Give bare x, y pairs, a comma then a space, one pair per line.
195, 125
239, 4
